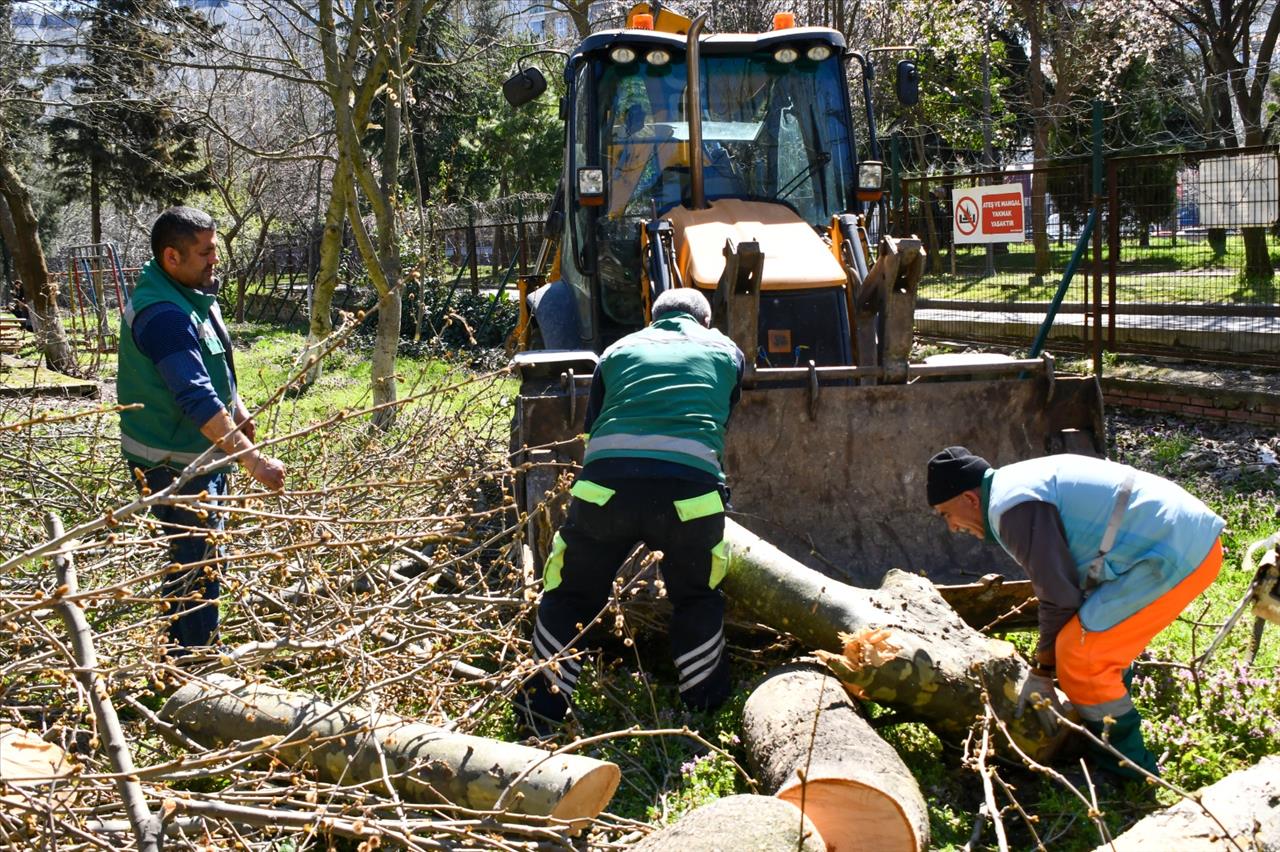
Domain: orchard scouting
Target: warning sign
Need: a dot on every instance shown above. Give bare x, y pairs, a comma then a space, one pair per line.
987, 214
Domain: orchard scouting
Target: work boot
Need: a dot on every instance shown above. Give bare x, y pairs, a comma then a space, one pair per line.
1125, 736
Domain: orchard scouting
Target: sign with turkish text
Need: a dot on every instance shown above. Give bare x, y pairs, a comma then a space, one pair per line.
987, 214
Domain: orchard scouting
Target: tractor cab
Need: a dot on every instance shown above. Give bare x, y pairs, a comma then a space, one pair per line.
694, 147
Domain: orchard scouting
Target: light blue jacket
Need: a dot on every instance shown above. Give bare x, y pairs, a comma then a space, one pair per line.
1163, 535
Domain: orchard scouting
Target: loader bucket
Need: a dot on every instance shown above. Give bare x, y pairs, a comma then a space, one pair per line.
833, 473
839, 483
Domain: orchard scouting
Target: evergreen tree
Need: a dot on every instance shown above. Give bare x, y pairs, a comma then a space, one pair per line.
121, 137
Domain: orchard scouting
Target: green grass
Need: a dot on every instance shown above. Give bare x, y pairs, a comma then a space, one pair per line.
267, 357
1164, 271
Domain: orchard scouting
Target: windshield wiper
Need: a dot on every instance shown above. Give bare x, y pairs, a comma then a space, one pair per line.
819, 161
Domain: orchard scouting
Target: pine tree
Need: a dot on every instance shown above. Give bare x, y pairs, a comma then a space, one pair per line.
121, 137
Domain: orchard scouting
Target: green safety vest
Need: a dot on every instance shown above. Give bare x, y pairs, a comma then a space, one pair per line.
667, 391
159, 432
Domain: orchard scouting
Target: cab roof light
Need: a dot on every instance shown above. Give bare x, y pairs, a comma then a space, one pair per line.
657, 57
786, 55
641, 21
622, 55
784, 20
818, 52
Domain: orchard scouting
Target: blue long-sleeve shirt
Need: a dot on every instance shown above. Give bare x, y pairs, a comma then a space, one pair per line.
164, 333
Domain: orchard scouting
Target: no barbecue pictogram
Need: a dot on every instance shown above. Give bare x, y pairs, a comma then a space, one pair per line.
967, 216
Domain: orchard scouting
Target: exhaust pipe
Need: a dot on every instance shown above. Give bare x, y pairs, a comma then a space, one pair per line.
693, 112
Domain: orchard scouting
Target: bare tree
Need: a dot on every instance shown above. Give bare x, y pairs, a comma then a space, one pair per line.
1236, 41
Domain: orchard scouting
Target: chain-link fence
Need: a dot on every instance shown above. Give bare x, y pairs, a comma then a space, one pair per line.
1182, 261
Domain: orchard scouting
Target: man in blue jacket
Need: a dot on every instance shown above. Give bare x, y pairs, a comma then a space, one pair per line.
1114, 555
176, 361
656, 416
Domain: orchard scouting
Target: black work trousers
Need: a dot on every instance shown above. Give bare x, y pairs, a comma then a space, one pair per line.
588, 551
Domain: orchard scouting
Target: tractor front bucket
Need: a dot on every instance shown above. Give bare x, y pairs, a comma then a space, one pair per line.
832, 472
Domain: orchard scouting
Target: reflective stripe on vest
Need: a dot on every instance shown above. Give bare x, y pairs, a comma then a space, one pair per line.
652, 443
136, 448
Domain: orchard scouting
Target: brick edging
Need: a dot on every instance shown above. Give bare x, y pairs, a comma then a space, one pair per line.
1209, 403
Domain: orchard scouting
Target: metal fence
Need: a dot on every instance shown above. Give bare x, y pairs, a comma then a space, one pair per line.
1183, 262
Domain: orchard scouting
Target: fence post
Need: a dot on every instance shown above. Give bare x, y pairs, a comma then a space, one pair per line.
1113, 249
895, 179
471, 251
522, 239
1097, 239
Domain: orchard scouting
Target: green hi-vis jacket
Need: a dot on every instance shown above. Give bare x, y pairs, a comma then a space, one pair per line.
667, 390
159, 432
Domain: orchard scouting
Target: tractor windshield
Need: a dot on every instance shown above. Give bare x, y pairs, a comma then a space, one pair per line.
770, 131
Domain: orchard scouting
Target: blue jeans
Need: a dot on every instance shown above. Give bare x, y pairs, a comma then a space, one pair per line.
191, 622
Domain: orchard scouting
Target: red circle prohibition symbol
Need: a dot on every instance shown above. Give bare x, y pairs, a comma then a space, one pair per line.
967, 216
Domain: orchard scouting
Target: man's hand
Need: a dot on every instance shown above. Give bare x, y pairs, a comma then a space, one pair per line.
268, 471
1038, 689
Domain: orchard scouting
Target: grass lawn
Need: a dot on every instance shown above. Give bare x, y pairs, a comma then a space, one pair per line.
1164, 271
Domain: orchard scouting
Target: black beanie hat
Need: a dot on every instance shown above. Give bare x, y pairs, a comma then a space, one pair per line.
952, 472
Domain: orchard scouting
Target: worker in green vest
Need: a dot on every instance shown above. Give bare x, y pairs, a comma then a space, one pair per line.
176, 362
659, 404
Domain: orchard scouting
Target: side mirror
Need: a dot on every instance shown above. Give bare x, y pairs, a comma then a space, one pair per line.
524, 86
908, 83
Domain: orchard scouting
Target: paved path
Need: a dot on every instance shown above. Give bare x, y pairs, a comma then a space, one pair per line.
1205, 333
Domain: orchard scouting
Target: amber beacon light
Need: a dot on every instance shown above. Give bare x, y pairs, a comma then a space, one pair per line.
784, 20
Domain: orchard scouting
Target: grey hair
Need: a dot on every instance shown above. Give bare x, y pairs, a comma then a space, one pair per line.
683, 300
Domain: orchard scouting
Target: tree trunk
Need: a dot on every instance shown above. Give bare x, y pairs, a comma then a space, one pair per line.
95, 203
1222, 133
383, 366
321, 319
1246, 802
580, 13
387, 341
28, 257
423, 763
860, 795
1258, 268
903, 645
1039, 139
755, 823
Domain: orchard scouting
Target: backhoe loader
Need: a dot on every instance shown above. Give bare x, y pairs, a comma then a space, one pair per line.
733, 163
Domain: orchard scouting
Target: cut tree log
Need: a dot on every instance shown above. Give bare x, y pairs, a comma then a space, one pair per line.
800, 724
28, 763
747, 822
900, 645
423, 763
1246, 804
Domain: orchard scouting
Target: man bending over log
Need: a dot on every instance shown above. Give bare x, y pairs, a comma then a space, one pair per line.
656, 417
1114, 555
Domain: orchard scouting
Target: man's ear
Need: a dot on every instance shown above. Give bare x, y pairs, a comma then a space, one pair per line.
170, 257
973, 498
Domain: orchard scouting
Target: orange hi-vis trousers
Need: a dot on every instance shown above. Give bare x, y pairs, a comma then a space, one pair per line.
1091, 664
